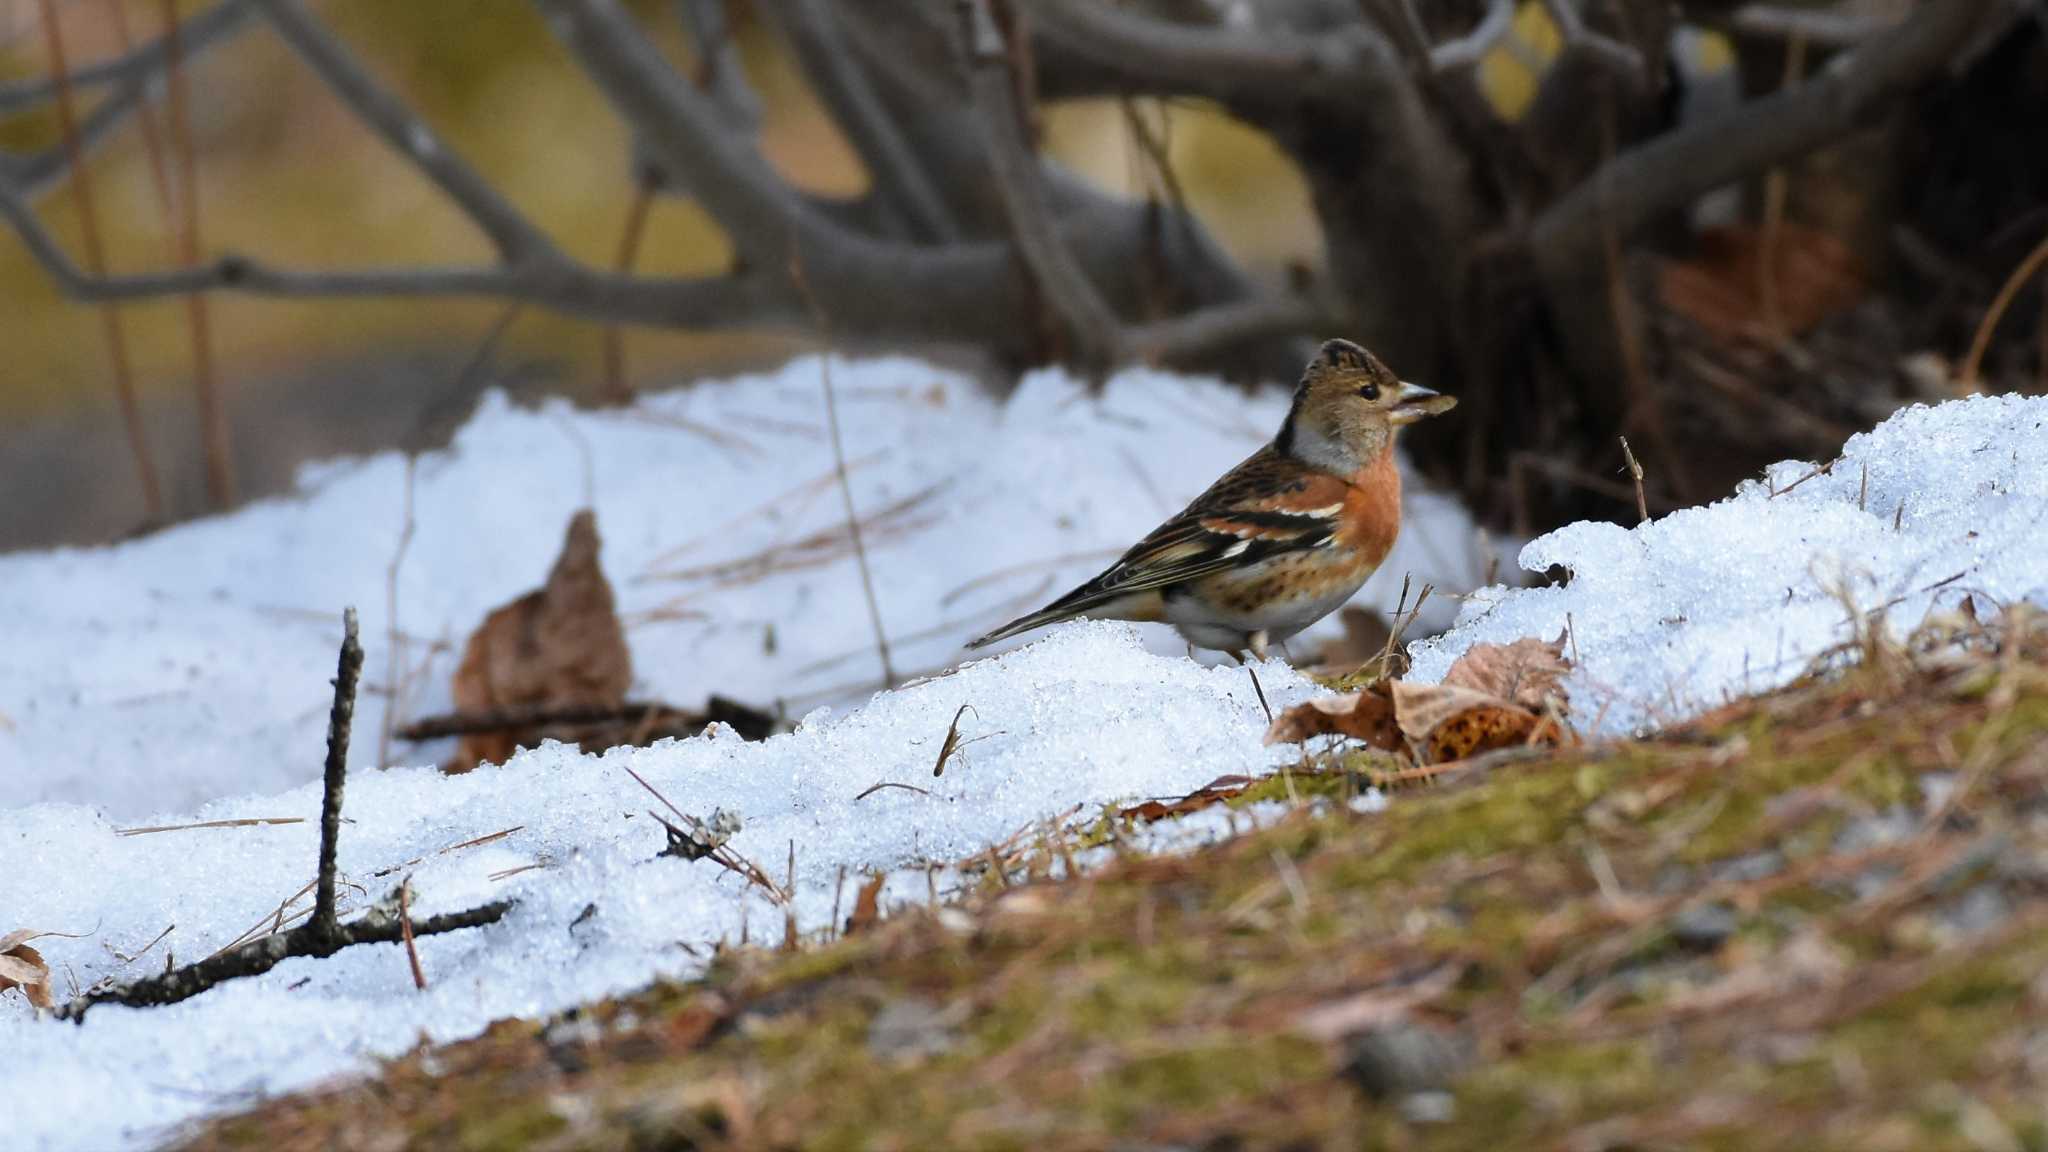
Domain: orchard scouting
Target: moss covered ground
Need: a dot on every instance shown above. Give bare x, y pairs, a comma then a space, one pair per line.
1817, 919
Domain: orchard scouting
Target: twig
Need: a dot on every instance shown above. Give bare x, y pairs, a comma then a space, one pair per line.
321, 935
248, 823
394, 640
1635, 474
631, 712
96, 265
213, 422
1259, 690
952, 740
260, 956
860, 551
1019, 179
412, 953
616, 390
871, 789
1775, 186
1467, 50
152, 140
718, 854
349, 668
2006, 292
812, 29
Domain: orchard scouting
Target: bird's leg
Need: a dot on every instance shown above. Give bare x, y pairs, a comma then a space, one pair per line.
1257, 643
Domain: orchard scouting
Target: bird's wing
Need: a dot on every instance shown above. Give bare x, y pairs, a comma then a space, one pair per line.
1269, 505
1264, 507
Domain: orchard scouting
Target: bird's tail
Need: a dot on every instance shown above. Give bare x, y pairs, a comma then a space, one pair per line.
1087, 600
1039, 619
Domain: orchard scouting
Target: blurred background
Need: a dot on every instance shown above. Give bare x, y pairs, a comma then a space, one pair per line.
1695, 225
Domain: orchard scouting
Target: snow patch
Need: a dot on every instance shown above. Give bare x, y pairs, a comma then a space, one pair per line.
1083, 717
148, 677
1680, 614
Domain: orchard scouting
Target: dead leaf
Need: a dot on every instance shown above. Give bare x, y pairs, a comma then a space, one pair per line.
1207, 796
1445, 723
867, 905
1366, 715
1528, 672
558, 647
1721, 290
23, 967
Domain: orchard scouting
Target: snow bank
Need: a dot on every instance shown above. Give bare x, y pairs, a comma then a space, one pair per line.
1084, 716
1680, 614
154, 675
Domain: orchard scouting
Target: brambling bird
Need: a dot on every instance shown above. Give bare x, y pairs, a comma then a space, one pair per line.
1282, 539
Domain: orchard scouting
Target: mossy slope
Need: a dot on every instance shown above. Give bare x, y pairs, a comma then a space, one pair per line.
1813, 920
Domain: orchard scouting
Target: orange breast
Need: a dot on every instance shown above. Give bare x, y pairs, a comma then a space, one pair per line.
1372, 510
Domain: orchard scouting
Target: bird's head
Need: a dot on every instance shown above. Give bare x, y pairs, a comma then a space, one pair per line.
1349, 405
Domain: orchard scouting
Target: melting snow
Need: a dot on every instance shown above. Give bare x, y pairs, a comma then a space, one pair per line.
154, 675
1682, 613
151, 676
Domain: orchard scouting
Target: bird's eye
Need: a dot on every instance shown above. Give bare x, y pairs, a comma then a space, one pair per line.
1370, 391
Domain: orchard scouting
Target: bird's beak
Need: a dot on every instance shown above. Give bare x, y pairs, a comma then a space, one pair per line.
1415, 402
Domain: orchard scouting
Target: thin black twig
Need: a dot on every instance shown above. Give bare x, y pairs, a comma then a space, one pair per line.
340, 716
321, 935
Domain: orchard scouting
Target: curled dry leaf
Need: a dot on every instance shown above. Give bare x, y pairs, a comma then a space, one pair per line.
1445, 723
557, 647
23, 967
1528, 672
1366, 715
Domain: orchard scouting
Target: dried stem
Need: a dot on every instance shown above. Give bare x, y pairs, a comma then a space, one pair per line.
394, 638
616, 390
1775, 186
1635, 473
2006, 292
412, 953
214, 437
860, 551
96, 265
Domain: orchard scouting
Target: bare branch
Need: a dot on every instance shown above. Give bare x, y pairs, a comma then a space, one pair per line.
144, 63
36, 172
721, 71
1058, 275
1465, 51
680, 126
1671, 170
1825, 28
1199, 335
815, 36
571, 289
1611, 55
1349, 66
514, 238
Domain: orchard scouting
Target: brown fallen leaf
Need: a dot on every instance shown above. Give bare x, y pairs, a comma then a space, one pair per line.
1443, 722
1366, 715
1528, 672
1721, 290
867, 905
23, 967
557, 647
1217, 791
